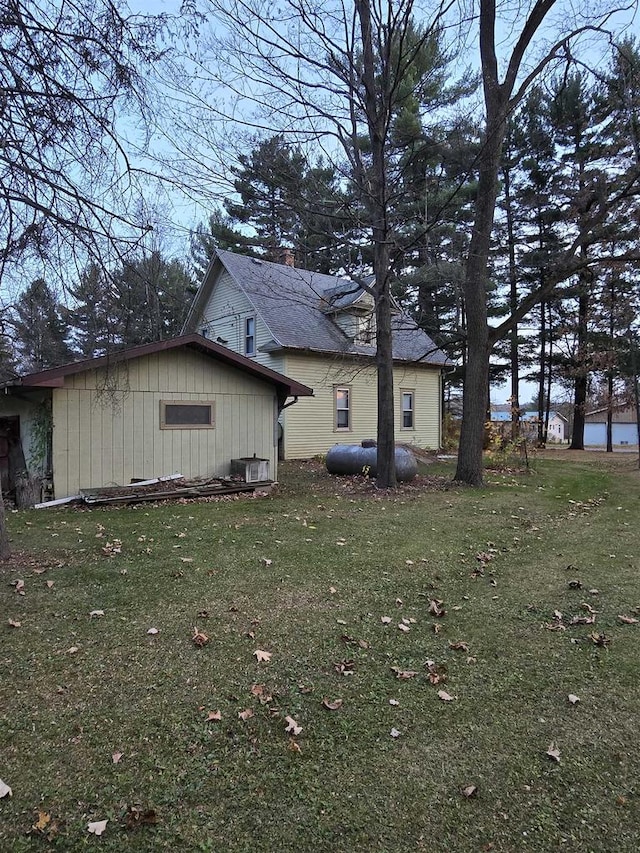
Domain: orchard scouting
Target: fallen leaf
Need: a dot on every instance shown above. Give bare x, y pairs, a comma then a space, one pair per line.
73, 650
599, 639
393, 702
403, 674
153, 631
459, 646
15, 624
140, 817
436, 608
395, 733
262, 656
344, 667
331, 704
332, 590
97, 827
403, 627
5, 790
213, 715
50, 584
469, 791
199, 638
385, 620
186, 559
95, 614
266, 561
437, 674
553, 752
294, 746
436, 628
246, 714
19, 587
44, 819
446, 697
573, 699
628, 620
292, 726
116, 757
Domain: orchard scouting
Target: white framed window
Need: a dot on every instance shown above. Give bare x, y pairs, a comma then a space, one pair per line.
342, 403
250, 336
187, 414
408, 409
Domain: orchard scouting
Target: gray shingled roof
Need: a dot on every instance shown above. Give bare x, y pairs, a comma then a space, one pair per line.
292, 303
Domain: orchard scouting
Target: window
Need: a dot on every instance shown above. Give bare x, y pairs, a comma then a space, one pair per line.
185, 414
407, 410
343, 408
250, 336
366, 329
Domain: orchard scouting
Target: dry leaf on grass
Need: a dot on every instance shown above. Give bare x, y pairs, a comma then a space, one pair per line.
97, 827
18, 586
294, 746
73, 650
395, 733
246, 714
96, 614
292, 726
140, 817
446, 697
213, 715
344, 667
50, 584
14, 624
266, 561
469, 791
331, 704
262, 656
153, 631
553, 752
385, 620
332, 590
459, 646
403, 627
403, 674
44, 819
436, 608
5, 790
199, 638
393, 702
573, 699
599, 639
628, 620
116, 757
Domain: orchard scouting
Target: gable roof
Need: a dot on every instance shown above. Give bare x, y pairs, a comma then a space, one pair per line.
54, 376
292, 303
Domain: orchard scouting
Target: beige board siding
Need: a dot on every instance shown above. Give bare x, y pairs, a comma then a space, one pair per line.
224, 317
309, 425
107, 429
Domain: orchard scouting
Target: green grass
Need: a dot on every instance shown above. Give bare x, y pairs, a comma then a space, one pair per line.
343, 784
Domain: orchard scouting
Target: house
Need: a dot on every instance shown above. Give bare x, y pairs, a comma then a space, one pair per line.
186, 405
624, 427
556, 427
320, 329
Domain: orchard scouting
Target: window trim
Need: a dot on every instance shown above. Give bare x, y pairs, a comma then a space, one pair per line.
164, 403
412, 392
252, 336
348, 409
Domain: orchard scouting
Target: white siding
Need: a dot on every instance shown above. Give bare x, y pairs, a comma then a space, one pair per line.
107, 427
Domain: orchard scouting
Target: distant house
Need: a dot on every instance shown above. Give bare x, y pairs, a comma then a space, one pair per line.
320, 330
529, 421
624, 427
185, 405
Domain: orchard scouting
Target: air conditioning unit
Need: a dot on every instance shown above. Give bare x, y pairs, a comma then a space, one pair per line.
251, 469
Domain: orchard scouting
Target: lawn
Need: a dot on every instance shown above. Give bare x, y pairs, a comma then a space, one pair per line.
371, 671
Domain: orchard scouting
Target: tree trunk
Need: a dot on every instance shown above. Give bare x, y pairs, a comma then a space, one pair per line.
475, 395
581, 380
5, 550
514, 355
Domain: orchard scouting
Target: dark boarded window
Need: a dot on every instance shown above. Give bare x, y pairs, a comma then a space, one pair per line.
186, 415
